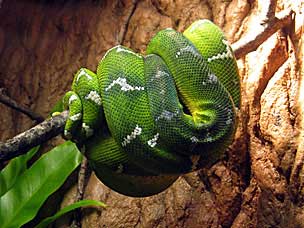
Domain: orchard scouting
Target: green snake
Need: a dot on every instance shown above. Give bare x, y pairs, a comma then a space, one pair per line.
146, 120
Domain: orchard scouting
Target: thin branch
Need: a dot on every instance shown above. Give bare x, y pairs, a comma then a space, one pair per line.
268, 8
123, 31
13, 104
81, 184
261, 33
42, 132
82, 178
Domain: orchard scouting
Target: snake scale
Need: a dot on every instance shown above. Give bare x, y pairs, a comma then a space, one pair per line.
146, 120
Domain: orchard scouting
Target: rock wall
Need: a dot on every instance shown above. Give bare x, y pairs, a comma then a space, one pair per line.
260, 181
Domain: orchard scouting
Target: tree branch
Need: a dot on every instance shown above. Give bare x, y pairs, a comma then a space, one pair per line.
123, 31
83, 174
21, 143
42, 132
14, 105
262, 31
268, 8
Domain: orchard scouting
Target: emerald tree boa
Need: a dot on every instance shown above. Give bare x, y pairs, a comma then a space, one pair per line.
146, 120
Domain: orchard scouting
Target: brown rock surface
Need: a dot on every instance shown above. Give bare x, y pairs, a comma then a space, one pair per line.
260, 181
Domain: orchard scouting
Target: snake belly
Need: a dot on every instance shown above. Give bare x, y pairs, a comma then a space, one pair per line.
146, 120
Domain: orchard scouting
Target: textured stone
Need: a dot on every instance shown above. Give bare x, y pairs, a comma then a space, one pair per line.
260, 181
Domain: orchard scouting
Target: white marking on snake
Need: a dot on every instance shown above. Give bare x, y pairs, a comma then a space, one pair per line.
195, 159
177, 54
212, 78
83, 73
229, 121
229, 115
122, 49
122, 82
152, 142
228, 49
198, 24
88, 131
108, 51
166, 115
75, 117
190, 49
119, 168
94, 96
137, 131
227, 54
72, 98
194, 139
160, 74
67, 134
208, 137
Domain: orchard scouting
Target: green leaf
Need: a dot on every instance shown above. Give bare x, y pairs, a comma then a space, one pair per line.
14, 169
22, 202
82, 203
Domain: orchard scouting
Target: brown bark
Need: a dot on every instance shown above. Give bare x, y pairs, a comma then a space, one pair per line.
260, 181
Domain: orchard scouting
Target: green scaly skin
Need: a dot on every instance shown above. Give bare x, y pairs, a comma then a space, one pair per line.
145, 120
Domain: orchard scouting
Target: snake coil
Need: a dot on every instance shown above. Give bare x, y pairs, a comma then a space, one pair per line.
145, 120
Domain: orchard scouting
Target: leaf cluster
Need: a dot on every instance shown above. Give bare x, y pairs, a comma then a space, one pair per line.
23, 189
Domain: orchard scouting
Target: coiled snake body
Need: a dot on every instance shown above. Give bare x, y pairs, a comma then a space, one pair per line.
145, 120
